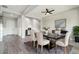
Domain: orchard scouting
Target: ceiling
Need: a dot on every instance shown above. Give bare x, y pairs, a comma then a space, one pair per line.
15, 10
33, 10
58, 8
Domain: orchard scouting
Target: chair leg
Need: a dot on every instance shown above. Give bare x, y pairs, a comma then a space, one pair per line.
49, 46
56, 49
33, 43
65, 50
41, 48
37, 48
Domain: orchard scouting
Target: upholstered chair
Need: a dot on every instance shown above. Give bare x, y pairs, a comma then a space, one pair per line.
33, 37
64, 42
41, 41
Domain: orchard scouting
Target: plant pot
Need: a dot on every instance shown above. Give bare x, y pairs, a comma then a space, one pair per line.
76, 39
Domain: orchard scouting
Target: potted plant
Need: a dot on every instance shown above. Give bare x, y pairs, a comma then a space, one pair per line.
76, 33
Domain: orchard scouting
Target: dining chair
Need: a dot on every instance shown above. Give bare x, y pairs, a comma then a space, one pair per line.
64, 42
33, 38
41, 41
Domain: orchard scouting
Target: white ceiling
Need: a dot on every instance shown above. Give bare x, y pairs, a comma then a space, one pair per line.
58, 8
15, 10
34, 10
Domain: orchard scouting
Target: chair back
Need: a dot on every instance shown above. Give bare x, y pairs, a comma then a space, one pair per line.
58, 32
40, 37
67, 37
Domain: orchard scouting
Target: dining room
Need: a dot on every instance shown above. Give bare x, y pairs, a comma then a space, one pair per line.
56, 31
42, 29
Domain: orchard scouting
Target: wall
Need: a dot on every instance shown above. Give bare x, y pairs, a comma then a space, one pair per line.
26, 22
19, 25
78, 16
71, 16
9, 26
1, 30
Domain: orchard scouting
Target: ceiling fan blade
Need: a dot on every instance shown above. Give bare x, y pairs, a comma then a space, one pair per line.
51, 10
50, 13
47, 10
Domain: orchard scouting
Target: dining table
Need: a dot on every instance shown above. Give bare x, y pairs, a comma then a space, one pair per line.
53, 38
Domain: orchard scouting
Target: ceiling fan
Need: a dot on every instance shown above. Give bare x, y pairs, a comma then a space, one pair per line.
47, 11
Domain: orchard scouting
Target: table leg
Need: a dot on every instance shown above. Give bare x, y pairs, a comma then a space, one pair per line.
55, 49
49, 47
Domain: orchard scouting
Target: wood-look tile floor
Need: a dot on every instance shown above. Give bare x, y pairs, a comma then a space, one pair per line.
31, 50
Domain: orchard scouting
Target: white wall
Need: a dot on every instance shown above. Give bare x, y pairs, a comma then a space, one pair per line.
71, 16
25, 22
19, 25
9, 26
1, 31
78, 16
